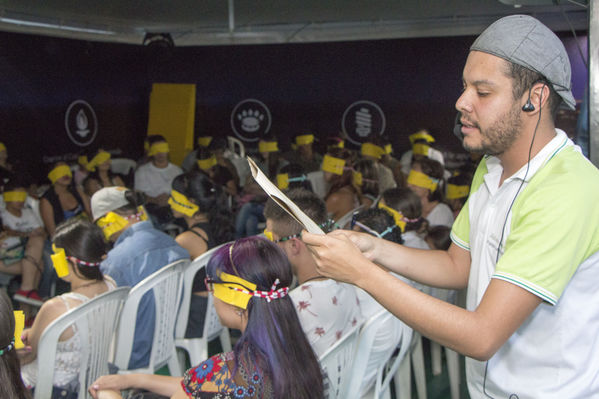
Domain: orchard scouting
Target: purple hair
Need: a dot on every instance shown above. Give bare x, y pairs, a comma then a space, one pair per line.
273, 339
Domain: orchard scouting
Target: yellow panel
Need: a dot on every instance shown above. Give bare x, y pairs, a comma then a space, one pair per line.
172, 114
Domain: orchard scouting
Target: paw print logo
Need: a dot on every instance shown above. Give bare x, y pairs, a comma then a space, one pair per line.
250, 120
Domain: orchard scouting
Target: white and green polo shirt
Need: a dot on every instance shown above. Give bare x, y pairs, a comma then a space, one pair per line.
550, 248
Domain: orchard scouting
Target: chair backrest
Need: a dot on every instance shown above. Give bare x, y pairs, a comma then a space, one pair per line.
336, 364
379, 336
212, 326
406, 334
123, 166
95, 322
319, 186
236, 146
344, 220
165, 285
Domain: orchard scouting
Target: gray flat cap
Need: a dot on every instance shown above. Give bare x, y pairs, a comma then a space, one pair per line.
525, 41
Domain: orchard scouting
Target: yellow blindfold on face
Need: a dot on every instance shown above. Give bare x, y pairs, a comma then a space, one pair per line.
180, 203
333, 165
59, 260
158, 148
420, 179
372, 150
455, 192
99, 159
204, 141
15, 196
234, 290
268, 146
304, 139
357, 178
58, 172
112, 222
421, 135
420, 149
398, 217
2, 147
206, 164
19, 327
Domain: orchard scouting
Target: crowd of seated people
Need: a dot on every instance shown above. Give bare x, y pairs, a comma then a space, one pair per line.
113, 235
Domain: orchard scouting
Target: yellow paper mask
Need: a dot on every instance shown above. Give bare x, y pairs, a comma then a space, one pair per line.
112, 222
19, 327
304, 139
455, 192
421, 135
15, 196
372, 150
234, 290
357, 178
59, 260
2, 147
333, 165
99, 159
398, 217
204, 141
158, 148
268, 146
206, 164
180, 203
388, 149
419, 179
420, 149
58, 172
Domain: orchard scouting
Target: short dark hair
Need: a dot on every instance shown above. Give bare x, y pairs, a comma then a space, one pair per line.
433, 169
379, 221
439, 235
408, 203
307, 201
522, 81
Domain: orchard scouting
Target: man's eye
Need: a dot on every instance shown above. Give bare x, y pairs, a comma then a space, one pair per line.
482, 94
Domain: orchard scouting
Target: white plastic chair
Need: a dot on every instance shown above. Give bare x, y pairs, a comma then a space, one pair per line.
344, 220
319, 186
415, 362
337, 362
95, 322
451, 357
197, 348
165, 284
369, 357
122, 166
236, 146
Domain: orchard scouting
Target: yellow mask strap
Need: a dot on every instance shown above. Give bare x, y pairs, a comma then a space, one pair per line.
421, 180
204, 141
2, 147
59, 260
421, 135
420, 149
58, 172
268, 234
333, 165
282, 181
398, 217
15, 196
157, 148
388, 149
304, 139
372, 150
357, 178
99, 159
206, 164
180, 203
234, 290
19, 327
455, 192
268, 146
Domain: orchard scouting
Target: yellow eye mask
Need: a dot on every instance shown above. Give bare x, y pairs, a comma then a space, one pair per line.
304, 139
372, 150
421, 135
99, 159
283, 180
333, 165
398, 217
58, 172
357, 178
388, 149
204, 141
268, 146
15, 196
234, 290
112, 222
180, 203
19, 327
419, 179
206, 164
455, 192
59, 260
157, 148
420, 149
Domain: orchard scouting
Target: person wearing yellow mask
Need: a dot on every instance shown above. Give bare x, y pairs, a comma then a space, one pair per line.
138, 250
341, 196
302, 153
62, 200
154, 178
11, 383
26, 235
99, 166
78, 249
426, 179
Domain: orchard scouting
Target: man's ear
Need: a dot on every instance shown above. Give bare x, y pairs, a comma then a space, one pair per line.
296, 246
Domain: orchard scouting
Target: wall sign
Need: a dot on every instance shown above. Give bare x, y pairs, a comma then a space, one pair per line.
363, 120
81, 123
250, 120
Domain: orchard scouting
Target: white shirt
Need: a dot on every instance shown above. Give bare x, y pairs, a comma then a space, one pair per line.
327, 310
24, 224
154, 181
441, 215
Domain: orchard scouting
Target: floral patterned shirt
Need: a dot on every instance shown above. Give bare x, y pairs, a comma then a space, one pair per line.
213, 378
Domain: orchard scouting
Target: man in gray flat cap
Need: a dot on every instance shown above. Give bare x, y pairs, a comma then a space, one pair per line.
526, 244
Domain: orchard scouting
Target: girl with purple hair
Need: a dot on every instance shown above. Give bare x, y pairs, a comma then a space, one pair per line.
249, 280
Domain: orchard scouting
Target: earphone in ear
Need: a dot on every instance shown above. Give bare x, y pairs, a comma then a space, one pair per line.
528, 107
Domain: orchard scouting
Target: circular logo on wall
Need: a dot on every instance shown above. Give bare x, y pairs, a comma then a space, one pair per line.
81, 123
250, 120
363, 120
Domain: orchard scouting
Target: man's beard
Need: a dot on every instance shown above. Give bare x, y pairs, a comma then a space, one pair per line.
496, 139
